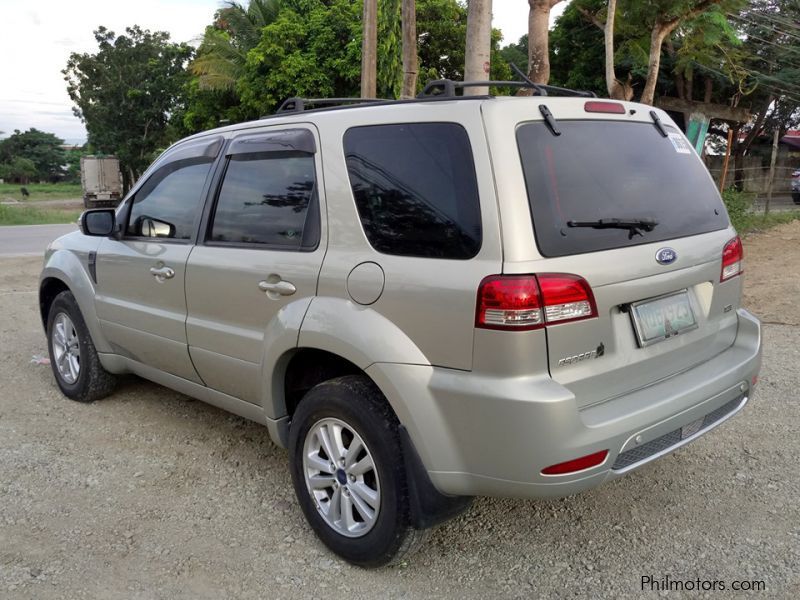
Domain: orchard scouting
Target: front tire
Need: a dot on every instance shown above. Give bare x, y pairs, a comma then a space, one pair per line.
795, 197
349, 474
73, 357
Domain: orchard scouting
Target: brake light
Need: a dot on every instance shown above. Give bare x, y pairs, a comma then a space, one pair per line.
577, 464
732, 259
604, 107
525, 302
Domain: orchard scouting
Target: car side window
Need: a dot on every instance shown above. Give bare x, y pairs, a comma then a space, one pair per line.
168, 203
415, 188
268, 199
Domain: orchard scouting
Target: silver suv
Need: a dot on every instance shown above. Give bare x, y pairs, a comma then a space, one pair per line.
423, 301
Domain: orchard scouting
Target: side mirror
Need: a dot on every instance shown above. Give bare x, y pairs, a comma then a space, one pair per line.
99, 222
152, 227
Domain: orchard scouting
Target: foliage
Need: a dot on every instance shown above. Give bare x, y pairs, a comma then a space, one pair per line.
517, 53
29, 215
18, 169
738, 205
127, 92
576, 48
32, 154
312, 49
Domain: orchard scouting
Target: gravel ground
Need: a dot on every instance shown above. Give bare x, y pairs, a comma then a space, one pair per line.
150, 494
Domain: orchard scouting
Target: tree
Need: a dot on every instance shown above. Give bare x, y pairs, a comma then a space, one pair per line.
410, 61
42, 149
312, 49
127, 92
18, 169
478, 44
369, 49
538, 43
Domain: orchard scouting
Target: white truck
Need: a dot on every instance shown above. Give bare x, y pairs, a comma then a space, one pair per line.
101, 181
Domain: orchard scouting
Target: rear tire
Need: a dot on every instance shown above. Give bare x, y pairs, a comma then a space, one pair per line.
796, 197
351, 418
73, 357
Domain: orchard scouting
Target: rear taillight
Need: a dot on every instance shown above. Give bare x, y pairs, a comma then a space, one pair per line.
525, 302
566, 298
732, 259
509, 302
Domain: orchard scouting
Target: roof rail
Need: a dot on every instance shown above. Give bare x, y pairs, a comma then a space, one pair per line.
296, 104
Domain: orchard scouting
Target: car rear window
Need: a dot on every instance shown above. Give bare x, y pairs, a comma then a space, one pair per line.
614, 170
415, 189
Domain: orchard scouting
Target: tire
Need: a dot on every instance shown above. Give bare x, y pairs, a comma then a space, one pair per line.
73, 357
356, 405
796, 197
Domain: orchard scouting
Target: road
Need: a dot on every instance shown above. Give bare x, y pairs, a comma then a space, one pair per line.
151, 495
30, 240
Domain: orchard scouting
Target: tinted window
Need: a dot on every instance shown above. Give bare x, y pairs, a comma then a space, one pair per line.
169, 201
610, 169
415, 189
265, 199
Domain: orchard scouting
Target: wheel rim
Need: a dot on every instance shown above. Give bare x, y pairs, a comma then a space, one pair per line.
341, 477
66, 348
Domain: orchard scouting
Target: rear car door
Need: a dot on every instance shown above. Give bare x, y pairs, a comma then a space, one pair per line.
140, 297
261, 249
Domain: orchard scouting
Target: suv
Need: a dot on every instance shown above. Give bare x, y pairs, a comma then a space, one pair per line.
424, 300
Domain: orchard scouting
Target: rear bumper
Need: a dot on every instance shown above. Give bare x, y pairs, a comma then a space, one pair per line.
483, 435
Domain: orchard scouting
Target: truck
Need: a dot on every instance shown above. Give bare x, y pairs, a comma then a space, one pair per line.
101, 181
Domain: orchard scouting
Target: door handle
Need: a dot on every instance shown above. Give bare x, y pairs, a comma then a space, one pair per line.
277, 288
162, 273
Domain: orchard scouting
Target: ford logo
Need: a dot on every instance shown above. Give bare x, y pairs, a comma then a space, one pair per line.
666, 256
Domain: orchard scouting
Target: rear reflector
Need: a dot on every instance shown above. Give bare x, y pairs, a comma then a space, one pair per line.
577, 464
525, 302
604, 107
732, 259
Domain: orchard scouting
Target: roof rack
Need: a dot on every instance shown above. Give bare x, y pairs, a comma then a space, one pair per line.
446, 88
300, 104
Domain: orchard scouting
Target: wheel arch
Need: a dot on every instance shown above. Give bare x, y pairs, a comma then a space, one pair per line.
63, 271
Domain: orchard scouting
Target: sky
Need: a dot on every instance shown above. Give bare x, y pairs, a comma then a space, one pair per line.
38, 38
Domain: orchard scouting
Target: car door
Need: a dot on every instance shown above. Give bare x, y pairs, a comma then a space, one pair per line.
140, 297
261, 249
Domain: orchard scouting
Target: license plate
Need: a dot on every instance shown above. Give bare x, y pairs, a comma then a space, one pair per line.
657, 319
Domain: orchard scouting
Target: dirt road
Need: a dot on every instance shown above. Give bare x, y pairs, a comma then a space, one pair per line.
149, 494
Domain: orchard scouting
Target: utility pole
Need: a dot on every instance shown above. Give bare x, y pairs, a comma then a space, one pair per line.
479, 45
410, 62
369, 50
772, 162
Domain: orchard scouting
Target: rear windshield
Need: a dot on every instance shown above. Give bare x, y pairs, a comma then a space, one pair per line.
614, 170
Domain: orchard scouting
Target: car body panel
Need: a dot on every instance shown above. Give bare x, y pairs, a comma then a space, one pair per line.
486, 410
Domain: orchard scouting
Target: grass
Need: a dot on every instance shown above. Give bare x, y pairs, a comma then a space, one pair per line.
739, 205
30, 215
41, 191
753, 222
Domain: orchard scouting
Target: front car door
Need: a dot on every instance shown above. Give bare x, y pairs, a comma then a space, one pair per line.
259, 251
140, 297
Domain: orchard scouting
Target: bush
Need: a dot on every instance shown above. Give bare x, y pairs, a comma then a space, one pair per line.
738, 205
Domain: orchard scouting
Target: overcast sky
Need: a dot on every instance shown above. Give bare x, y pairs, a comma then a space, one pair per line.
38, 37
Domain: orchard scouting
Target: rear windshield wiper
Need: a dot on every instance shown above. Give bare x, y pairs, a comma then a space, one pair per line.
634, 226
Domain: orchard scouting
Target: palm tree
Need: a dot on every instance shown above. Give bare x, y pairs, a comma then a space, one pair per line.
222, 54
